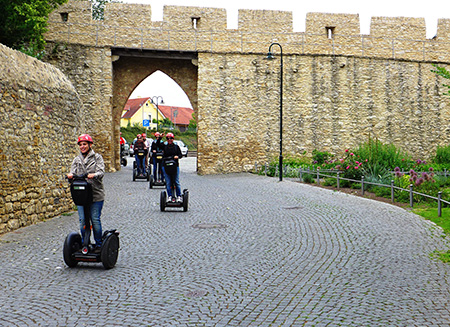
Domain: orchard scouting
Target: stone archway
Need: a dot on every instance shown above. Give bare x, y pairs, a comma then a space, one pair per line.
131, 67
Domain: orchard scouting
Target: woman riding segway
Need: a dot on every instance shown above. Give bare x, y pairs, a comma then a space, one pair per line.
86, 178
171, 170
90, 163
157, 148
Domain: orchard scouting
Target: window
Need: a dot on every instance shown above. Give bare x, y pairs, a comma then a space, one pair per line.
330, 32
195, 21
64, 16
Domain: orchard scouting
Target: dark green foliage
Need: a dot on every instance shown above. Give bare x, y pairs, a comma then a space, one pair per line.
441, 71
442, 156
24, 22
320, 157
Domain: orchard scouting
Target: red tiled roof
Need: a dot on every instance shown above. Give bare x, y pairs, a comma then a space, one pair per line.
183, 115
132, 106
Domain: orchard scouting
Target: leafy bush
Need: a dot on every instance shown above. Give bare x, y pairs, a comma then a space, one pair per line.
442, 156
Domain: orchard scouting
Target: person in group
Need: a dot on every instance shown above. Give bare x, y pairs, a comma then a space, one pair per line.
139, 145
122, 142
171, 154
146, 148
90, 163
157, 146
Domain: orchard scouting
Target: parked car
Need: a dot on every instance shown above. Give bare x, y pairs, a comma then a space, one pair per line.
131, 150
183, 147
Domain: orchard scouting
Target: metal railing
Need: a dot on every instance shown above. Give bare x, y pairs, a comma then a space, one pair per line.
318, 173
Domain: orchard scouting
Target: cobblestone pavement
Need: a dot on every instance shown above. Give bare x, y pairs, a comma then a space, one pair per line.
251, 251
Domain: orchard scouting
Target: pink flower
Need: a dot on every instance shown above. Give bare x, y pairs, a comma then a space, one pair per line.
342, 160
352, 154
346, 150
367, 160
347, 167
357, 162
356, 167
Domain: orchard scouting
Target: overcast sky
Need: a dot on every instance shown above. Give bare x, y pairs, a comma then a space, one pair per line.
431, 10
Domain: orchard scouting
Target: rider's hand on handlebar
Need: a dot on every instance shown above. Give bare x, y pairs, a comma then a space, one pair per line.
175, 157
70, 176
90, 176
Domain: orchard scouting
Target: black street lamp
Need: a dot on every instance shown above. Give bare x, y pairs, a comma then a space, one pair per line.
270, 56
155, 101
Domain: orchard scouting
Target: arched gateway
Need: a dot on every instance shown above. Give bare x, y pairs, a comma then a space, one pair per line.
339, 87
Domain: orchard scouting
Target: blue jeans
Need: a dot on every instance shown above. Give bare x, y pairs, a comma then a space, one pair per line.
96, 211
139, 164
169, 182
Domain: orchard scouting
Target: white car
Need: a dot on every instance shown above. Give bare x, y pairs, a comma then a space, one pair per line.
183, 147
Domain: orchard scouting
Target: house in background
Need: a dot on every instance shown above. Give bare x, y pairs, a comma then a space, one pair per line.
179, 116
140, 110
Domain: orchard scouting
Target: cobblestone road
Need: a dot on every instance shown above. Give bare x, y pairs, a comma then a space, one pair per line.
268, 254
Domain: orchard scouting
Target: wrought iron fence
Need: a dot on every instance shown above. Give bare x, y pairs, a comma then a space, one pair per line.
298, 173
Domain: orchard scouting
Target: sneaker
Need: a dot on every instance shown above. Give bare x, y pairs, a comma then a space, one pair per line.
169, 199
179, 199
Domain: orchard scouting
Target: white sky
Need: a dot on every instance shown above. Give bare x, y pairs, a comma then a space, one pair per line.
431, 10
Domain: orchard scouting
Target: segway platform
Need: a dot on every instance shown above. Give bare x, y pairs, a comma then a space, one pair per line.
74, 250
158, 179
174, 204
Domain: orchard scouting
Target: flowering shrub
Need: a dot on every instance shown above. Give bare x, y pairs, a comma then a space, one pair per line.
350, 165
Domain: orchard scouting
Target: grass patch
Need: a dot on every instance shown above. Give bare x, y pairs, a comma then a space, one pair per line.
431, 214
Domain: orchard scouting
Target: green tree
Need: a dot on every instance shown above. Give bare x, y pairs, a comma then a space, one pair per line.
98, 8
441, 71
24, 22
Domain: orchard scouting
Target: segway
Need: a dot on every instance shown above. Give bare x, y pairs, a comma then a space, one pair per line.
141, 157
74, 250
123, 160
158, 180
170, 168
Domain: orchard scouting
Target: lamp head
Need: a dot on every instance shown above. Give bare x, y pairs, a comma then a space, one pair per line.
270, 56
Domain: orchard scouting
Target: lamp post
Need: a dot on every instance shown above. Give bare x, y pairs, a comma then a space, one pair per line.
270, 56
155, 101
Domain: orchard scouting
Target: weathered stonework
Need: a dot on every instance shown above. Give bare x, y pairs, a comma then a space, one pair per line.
339, 86
40, 120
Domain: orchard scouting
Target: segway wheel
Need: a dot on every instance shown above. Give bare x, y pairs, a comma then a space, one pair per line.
134, 165
148, 176
162, 200
124, 162
134, 175
71, 245
151, 182
110, 251
185, 200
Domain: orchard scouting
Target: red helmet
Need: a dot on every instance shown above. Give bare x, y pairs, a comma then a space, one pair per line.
157, 134
169, 135
139, 135
144, 135
86, 138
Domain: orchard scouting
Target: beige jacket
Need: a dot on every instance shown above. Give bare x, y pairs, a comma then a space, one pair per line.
91, 164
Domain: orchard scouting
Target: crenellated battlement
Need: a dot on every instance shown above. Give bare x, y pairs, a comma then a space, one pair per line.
205, 30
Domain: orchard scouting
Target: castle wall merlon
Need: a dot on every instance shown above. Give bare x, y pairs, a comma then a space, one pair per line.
194, 18
443, 30
326, 24
73, 12
398, 27
130, 15
272, 21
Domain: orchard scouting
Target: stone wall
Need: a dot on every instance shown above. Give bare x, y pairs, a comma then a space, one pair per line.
330, 103
339, 86
40, 118
90, 71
